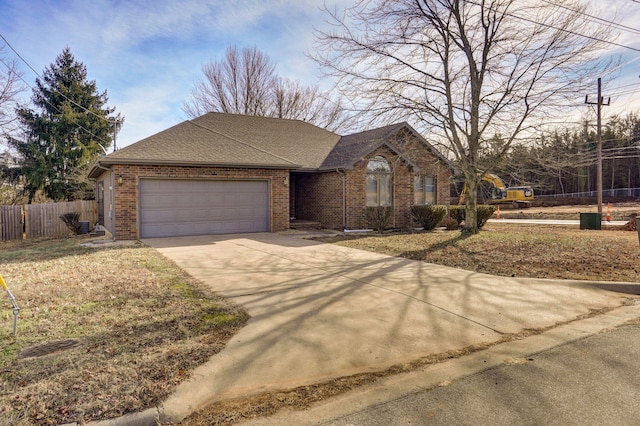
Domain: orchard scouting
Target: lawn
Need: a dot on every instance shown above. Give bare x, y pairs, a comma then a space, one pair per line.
517, 250
134, 325
138, 325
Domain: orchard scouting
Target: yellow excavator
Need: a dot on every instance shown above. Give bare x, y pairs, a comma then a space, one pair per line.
492, 190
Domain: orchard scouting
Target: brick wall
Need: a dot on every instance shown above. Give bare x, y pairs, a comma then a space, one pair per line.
318, 196
402, 190
429, 164
126, 194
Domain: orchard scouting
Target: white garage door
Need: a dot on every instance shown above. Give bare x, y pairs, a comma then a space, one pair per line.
174, 207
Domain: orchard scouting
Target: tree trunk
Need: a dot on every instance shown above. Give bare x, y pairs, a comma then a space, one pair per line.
471, 206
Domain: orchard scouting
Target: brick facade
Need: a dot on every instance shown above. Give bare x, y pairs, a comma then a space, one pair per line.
126, 195
336, 199
319, 196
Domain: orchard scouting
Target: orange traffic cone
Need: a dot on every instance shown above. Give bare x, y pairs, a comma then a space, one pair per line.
608, 212
498, 216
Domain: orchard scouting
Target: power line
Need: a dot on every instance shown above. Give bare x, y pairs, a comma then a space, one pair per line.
626, 92
628, 85
533, 21
628, 88
597, 18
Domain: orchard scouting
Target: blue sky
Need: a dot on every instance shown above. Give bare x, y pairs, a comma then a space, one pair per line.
148, 54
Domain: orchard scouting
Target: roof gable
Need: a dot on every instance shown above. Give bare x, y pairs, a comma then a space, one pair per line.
352, 148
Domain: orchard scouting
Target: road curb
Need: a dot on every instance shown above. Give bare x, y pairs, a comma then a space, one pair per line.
428, 377
148, 417
445, 373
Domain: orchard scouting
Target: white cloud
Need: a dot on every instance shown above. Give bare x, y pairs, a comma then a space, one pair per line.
147, 111
147, 53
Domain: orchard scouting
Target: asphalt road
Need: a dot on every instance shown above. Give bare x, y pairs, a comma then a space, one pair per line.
593, 381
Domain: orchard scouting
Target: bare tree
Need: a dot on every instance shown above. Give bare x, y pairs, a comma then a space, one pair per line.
237, 85
245, 83
306, 103
464, 70
10, 88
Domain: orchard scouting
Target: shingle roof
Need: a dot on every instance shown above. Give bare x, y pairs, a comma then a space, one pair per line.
229, 139
352, 148
219, 139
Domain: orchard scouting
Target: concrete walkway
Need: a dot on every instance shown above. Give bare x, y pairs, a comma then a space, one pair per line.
321, 311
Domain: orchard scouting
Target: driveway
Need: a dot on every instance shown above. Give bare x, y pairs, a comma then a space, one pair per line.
321, 311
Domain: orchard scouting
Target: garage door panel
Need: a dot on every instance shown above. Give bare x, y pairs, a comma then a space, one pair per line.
198, 207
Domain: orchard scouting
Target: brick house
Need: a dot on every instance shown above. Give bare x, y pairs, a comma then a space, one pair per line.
226, 173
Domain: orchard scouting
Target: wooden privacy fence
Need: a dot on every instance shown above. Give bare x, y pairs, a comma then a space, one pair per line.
42, 220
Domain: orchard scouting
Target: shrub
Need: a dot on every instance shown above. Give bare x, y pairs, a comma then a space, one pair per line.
378, 217
72, 220
450, 223
428, 217
483, 214
457, 213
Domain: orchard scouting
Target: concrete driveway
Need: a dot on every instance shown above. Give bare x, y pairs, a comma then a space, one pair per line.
320, 311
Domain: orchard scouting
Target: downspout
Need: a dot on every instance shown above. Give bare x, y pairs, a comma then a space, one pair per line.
437, 179
344, 197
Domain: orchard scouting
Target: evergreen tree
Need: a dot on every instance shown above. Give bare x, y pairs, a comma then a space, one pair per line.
564, 161
68, 128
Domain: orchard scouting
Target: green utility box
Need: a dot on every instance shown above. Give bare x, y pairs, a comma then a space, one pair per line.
590, 221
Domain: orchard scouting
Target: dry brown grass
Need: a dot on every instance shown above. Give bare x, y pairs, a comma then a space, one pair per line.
618, 211
143, 325
517, 250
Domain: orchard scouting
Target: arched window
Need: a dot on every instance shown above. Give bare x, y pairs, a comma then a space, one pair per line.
379, 179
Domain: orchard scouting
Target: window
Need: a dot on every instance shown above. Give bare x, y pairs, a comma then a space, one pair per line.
424, 190
379, 179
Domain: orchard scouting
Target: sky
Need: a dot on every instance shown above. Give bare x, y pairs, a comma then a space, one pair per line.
148, 54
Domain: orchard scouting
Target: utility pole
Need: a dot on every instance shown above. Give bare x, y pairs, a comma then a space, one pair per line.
599, 103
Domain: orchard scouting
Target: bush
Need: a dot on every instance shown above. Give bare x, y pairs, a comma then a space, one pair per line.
378, 217
428, 217
450, 223
72, 220
457, 213
484, 213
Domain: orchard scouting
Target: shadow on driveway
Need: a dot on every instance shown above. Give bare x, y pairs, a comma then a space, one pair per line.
321, 311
